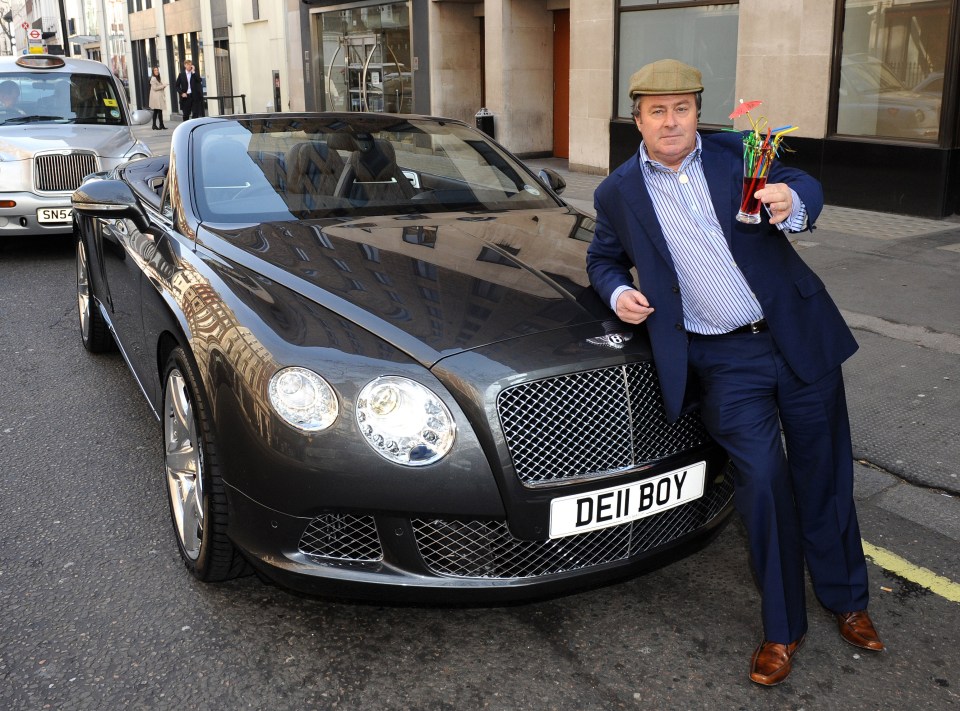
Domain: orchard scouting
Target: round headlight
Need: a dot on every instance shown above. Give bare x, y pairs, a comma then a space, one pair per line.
303, 399
404, 421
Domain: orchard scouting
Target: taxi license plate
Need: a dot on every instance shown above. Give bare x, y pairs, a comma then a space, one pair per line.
594, 510
54, 214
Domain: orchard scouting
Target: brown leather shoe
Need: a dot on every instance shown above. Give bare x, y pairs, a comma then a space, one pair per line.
772, 662
857, 629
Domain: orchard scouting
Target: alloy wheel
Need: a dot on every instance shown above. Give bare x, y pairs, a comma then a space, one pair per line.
183, 461
83, 290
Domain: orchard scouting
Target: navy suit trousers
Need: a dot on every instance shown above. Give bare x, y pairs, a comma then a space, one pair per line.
796, 504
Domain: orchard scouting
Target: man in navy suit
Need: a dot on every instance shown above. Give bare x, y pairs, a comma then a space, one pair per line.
742, 326
190, 91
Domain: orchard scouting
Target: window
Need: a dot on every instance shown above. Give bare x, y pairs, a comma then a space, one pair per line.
891, 68
703, 36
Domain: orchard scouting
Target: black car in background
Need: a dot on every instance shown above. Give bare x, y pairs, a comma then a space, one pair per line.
378, 364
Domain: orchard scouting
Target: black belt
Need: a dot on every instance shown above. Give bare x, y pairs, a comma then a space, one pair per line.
755, 327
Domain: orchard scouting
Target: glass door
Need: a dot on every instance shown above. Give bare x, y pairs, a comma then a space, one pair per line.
365, 59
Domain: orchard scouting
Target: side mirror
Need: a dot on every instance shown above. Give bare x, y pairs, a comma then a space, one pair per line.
109, 200
552, 178
141, 117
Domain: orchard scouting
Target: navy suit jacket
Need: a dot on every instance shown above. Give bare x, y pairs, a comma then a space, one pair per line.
803, 320
196, 86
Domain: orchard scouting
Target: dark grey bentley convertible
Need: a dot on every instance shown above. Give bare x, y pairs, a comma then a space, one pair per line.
379, 366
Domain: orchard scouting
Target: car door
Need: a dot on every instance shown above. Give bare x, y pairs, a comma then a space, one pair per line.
125, 250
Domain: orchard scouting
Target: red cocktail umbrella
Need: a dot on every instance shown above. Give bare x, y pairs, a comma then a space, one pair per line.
744, 107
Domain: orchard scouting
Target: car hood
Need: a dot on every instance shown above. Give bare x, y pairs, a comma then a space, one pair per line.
431, 285
22, 141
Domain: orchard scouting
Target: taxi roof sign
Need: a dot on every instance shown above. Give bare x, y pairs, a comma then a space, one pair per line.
40, 61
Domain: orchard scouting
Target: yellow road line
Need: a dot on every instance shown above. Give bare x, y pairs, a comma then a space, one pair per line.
905, 569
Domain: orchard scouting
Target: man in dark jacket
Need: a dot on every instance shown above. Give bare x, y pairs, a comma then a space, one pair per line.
739, 322
190, 91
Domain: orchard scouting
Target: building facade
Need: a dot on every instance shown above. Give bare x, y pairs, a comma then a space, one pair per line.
872, 84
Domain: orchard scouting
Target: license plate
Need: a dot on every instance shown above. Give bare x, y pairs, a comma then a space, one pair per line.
619, 504
54, 214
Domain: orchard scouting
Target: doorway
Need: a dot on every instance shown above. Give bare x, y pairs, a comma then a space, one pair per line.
365, 59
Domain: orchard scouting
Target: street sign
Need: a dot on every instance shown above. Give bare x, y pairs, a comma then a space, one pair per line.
34, 35
25, 25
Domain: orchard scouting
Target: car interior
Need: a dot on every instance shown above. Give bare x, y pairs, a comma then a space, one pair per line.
253, 176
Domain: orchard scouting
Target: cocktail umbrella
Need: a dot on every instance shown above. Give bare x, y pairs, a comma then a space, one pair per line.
744, 108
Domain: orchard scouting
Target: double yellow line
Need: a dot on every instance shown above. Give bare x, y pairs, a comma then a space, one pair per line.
905, 569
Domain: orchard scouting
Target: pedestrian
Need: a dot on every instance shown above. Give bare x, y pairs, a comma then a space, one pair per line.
739, 323
190, 91
157, 100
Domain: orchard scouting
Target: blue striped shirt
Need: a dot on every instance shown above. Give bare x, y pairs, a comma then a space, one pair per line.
716, 296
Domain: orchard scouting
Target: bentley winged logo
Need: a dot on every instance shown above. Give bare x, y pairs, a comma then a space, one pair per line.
611, 340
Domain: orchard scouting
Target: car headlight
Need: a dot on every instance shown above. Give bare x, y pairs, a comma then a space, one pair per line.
303, 399
404, 421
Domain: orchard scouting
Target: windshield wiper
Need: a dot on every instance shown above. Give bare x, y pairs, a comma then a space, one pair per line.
34, 118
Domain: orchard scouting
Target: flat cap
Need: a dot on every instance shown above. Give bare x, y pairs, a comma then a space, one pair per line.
666, 76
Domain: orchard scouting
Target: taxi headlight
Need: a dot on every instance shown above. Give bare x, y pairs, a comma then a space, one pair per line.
405, 422
303, 399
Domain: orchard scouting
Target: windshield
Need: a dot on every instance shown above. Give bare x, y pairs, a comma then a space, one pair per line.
257, 170
59, 98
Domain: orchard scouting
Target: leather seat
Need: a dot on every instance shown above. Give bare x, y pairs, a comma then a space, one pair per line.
372, 174
313, 170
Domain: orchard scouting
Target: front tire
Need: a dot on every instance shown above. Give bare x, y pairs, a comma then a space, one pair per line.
195, 489
94, 332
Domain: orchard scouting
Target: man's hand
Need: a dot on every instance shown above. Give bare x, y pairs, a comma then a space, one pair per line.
779, 199
633, 307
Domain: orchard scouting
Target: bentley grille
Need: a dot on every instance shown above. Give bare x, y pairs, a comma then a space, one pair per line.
57, 172
486, 549
591, 423
344, 537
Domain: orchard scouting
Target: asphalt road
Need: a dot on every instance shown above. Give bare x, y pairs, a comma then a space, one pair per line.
98, 612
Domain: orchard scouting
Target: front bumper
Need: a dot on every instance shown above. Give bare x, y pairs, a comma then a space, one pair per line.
22, 219
428, 559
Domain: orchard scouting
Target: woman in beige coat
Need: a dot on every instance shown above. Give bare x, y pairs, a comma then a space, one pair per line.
157, 100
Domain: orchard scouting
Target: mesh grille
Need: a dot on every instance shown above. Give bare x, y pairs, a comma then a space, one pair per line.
344, 537
55, 172
486, 549
590, 423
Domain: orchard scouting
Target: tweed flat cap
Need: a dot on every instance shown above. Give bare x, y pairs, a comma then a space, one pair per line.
666, 76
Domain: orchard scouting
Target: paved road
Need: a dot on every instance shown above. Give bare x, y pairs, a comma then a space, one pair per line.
98, 612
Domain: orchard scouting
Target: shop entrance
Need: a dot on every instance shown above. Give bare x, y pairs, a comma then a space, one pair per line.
365, 59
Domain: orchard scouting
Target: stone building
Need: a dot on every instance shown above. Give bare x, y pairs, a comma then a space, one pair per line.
874, 85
